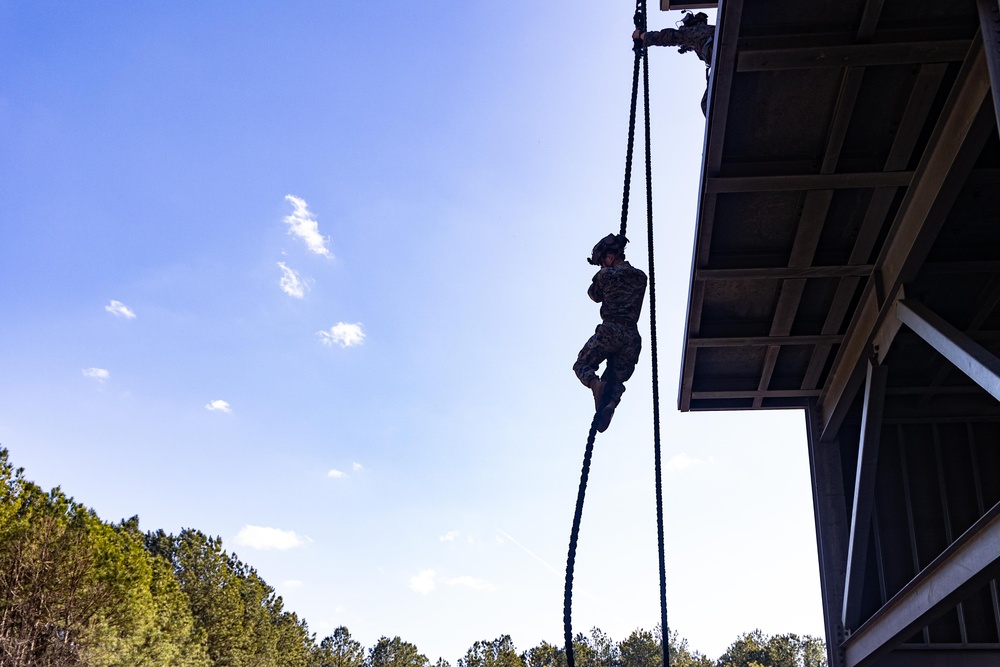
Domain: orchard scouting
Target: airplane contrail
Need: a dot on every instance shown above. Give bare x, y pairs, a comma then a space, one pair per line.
527, 550
541, 560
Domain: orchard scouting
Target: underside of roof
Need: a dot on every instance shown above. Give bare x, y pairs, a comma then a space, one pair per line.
847, 261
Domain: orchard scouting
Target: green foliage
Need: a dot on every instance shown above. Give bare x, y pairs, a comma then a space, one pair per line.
755, 649
338, 650
395, 653
75, 590
243, 621
642, 649
545, 655
497, 653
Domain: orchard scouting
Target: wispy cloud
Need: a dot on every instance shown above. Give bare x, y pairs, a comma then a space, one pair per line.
449, 536
219, 405
302, 223
291, 583
119, 309
357, 467
472, 582
99, 374
336, 474
423, 582
269, 539
345, 335
290, 282
681, 462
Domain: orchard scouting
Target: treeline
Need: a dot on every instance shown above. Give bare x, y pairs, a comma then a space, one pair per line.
76, 590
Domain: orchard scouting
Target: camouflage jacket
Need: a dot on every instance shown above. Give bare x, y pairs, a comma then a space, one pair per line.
620, 291
697, 38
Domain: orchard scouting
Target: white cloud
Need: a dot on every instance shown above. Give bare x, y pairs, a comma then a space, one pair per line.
99, 374
267, 539
290, 283
336, 474
423, 582
346, 335
291, 583
449, 536
302, 223
119, 309
474, 583
357, 467
219, 405
681, 462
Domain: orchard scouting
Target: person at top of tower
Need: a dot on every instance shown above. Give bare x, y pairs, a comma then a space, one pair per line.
620, 289
694, 34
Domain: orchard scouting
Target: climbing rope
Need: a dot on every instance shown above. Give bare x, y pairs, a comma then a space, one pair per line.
665, 639
640, 54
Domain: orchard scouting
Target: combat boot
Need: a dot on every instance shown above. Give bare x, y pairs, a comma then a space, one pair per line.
603, 419
597, 386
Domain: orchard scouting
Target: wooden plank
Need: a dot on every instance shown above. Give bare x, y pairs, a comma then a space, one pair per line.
774, 393
786, 272
760, 341
791, 182
852, 55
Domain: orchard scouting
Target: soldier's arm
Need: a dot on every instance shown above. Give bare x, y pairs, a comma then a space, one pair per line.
666, 37
595, 292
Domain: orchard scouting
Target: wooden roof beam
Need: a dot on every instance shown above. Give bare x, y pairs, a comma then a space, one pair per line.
853, 55
946, 163
822, 181
914, 117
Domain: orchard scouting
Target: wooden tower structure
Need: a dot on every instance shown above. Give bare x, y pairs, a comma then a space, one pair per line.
847, 262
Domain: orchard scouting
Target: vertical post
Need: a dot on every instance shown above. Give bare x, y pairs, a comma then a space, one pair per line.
864, 492
830, 512
989, 23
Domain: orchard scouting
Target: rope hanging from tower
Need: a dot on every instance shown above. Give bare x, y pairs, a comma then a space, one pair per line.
639, 19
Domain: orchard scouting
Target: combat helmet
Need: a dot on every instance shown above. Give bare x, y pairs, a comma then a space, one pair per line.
611, 243
690, 20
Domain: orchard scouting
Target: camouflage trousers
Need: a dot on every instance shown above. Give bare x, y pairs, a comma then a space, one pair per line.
619, 345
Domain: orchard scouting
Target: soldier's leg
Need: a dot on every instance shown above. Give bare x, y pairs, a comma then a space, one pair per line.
593, 353
621, 365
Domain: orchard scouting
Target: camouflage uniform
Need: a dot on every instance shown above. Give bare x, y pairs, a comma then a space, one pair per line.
620, 290
699, 38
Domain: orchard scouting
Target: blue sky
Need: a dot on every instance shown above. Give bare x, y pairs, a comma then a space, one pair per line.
393, 437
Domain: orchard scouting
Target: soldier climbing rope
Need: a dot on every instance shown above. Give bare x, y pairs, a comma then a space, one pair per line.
640, 55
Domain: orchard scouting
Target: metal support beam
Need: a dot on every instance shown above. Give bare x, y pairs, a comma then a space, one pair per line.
950, 154
981, 365
864, 492
968, 564
989, 25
